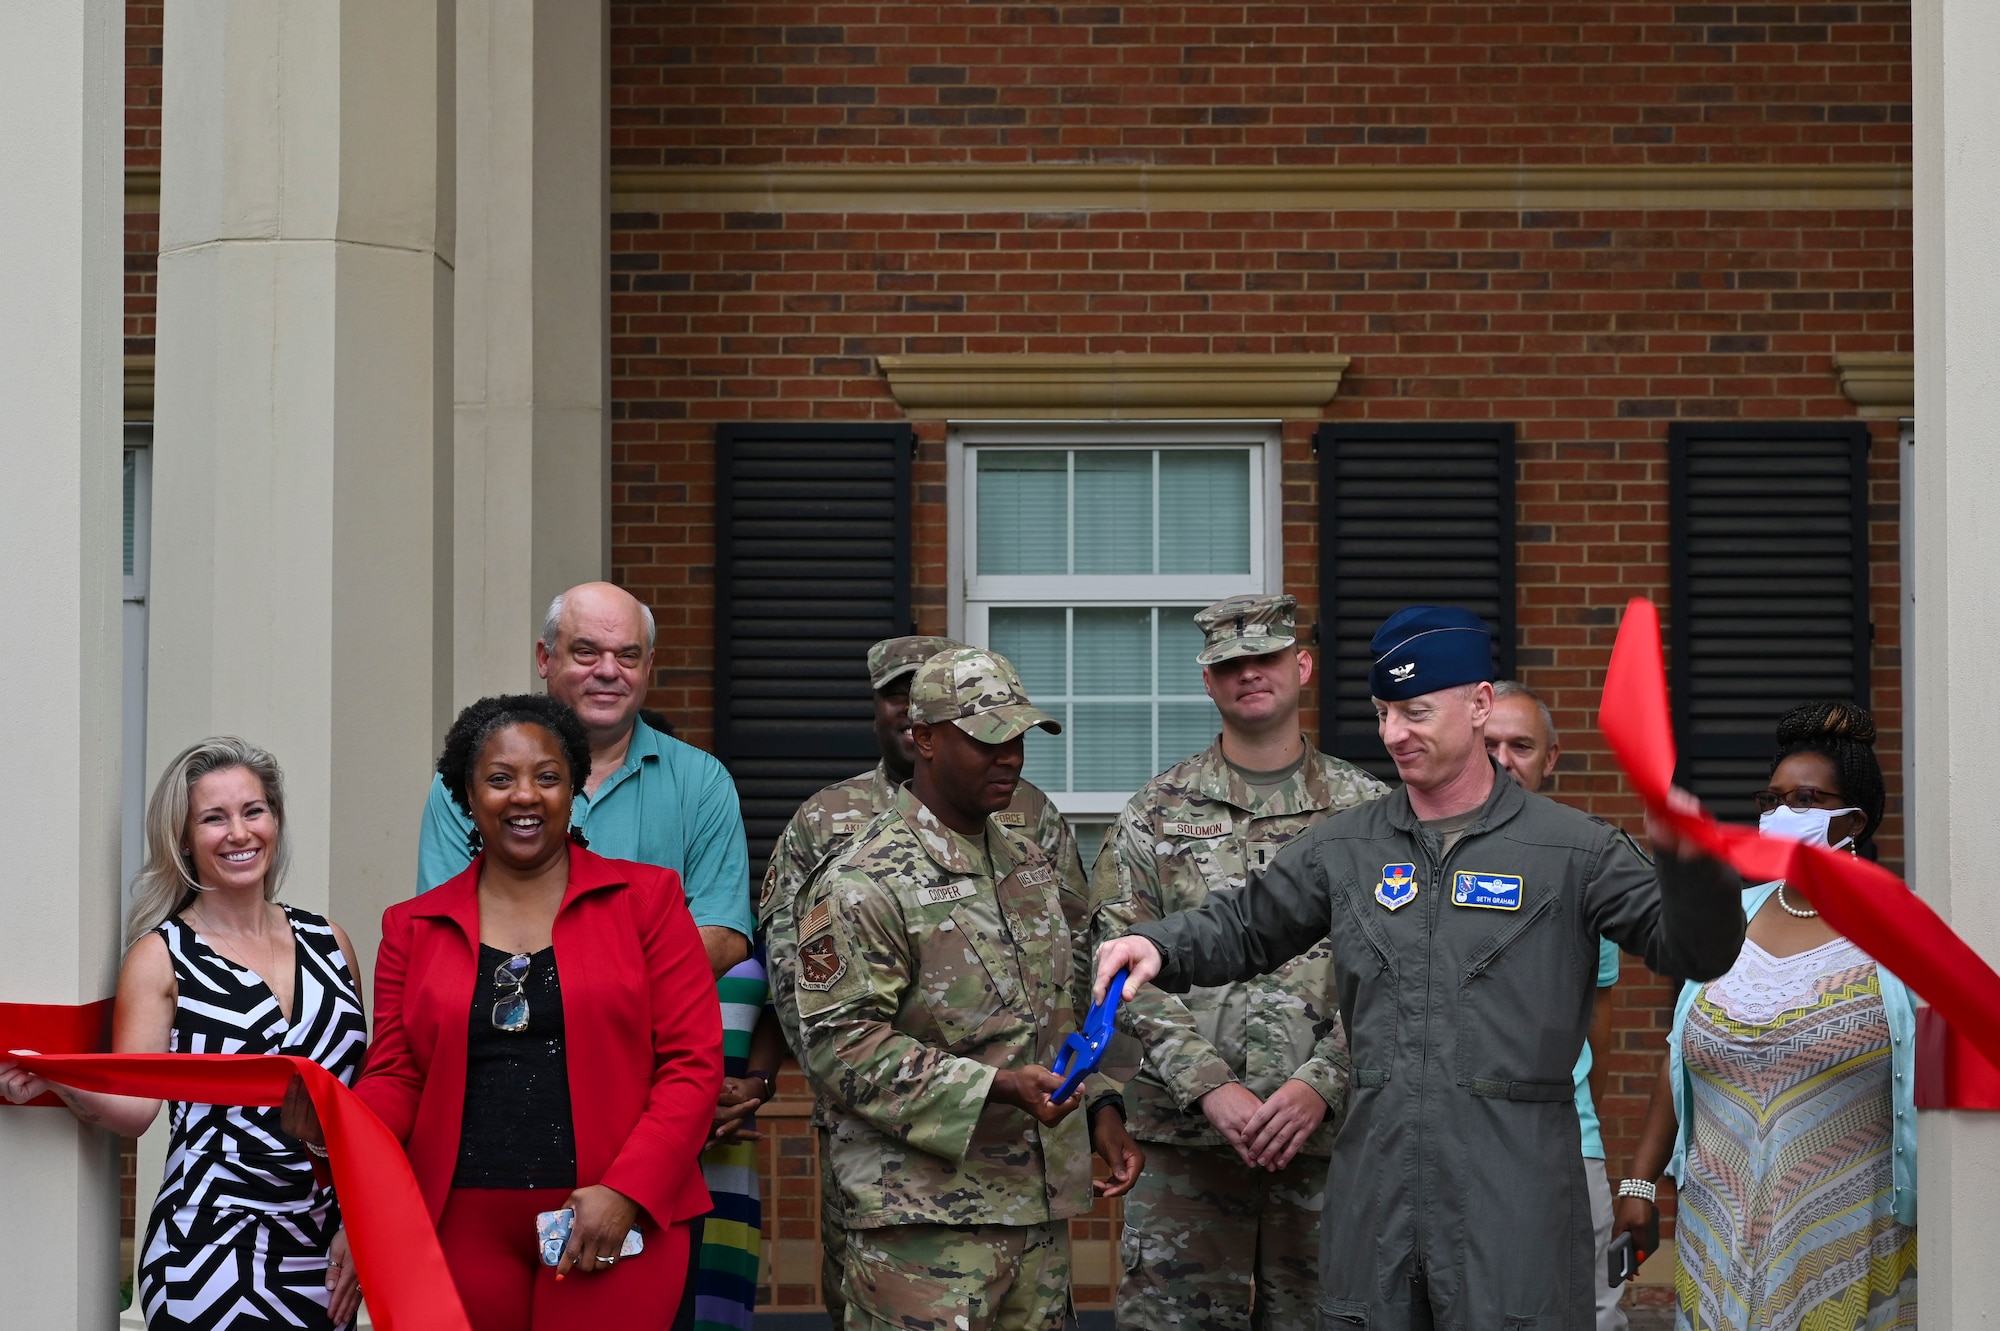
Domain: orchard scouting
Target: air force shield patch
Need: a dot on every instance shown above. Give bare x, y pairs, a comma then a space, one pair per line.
1398, 887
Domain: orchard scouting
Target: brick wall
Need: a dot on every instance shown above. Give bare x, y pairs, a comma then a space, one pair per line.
1591, 330
1271, 84
144, 32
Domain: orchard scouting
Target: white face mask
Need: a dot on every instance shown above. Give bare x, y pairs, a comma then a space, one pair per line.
1807, 825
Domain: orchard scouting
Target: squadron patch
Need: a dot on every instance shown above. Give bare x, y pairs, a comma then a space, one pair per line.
1398, 887
820, 963
1198, 831
1488, 891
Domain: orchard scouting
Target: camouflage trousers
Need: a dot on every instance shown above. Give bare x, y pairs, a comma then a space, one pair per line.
832, 1233
958, 1277
1213, 1245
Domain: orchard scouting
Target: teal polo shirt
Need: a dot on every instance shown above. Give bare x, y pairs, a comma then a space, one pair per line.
670, 804
1586, 1112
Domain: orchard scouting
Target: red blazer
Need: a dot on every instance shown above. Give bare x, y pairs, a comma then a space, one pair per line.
642, 1031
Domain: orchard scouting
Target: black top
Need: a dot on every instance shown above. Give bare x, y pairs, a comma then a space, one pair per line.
517, 1131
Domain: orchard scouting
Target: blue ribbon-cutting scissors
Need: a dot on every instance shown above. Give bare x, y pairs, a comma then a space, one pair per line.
1083, 1050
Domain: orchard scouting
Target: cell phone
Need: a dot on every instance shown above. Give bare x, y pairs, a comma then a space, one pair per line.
1621, 1262
553, 1228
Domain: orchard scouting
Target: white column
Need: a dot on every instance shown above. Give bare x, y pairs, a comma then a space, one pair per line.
532, 378
1956, 59
61, 379
302, 472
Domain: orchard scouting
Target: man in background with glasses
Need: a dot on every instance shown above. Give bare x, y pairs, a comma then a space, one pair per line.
1243, 1085
650, 797
823, 826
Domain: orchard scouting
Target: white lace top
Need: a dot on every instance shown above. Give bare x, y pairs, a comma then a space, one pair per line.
1760, 986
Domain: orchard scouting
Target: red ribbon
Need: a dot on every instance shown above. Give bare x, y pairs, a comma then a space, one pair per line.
57, 1028
1864, 901
1951, 1074
396, 1253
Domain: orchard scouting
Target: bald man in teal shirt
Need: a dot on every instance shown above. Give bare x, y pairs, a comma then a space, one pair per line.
650, 797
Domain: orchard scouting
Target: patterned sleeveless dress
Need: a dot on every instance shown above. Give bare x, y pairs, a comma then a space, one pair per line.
238, 1237
1787, 1213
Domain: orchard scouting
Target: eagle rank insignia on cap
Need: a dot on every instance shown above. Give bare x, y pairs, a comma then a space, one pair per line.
1398, 887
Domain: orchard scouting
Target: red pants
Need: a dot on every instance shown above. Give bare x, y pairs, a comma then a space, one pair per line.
488, 1236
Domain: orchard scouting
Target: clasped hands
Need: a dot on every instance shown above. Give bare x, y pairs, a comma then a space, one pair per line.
735, 1108
1265, 1133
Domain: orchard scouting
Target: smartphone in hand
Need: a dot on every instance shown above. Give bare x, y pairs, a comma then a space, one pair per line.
1621, 1263
1629, 1251
553, 1229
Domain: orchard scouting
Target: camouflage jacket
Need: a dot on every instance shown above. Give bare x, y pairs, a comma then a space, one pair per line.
926, 962
1195, 828
826, 824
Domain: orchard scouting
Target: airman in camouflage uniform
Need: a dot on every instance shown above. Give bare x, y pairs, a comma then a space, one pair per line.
941, 961
823, 826
1205, 1237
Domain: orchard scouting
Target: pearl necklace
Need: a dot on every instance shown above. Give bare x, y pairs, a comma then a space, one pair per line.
1792, 910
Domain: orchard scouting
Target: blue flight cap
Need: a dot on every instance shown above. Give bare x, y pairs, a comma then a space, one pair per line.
1423, 648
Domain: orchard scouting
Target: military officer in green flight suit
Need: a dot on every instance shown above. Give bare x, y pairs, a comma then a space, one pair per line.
1464, 915
1243, 1084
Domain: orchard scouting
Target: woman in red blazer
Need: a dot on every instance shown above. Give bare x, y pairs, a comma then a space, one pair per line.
547, 1037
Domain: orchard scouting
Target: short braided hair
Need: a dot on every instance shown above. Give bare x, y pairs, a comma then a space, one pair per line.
481, 720
1844, 734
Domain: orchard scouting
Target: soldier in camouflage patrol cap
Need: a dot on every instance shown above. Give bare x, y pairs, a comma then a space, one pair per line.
941, 960
1246, 626
824, 825
1253, 1073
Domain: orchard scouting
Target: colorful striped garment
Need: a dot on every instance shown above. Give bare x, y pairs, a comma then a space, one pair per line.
1787, 1217
726, 1283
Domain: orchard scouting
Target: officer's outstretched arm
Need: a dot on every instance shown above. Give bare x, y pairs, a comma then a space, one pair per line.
1684, 917
853, 969
1127, 891
1246, 931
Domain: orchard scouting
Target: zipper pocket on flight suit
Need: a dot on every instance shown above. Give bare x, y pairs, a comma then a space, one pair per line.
1487, 955
1467, 1056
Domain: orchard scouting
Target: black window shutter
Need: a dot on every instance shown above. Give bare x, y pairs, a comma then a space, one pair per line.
1770, 590
1408, 515
812, 565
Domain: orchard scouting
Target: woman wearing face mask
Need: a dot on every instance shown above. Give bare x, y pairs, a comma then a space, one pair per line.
1783, 1108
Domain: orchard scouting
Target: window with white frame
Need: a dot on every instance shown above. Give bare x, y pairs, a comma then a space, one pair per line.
1083, 554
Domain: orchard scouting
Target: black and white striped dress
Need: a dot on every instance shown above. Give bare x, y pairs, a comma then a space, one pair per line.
238, 1238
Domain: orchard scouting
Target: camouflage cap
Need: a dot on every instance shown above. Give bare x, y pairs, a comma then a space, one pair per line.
979, 692
1246, 626
892, 658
